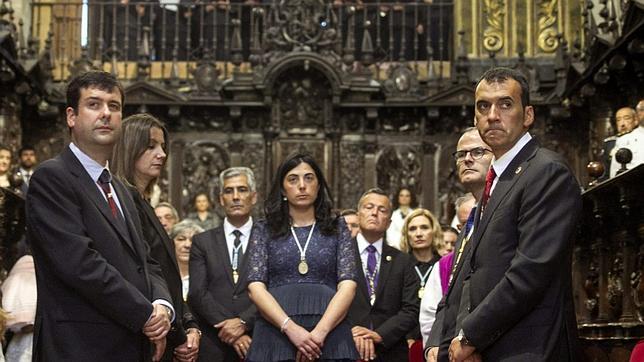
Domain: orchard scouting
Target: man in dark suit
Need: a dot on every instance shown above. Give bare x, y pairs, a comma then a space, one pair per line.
385, 307
518, 295
218, 270
473, 159
100, 297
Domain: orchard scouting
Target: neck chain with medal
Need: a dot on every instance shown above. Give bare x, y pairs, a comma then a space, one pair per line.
371, 279
423, 279
235, 263
303, 267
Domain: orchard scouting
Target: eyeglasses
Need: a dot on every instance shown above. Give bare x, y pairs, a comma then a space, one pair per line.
476, 153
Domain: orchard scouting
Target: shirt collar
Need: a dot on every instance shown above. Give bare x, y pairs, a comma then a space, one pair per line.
93, 168
503, 162
245, 229
363, 244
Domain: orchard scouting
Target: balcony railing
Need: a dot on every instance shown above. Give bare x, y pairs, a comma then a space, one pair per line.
172, 38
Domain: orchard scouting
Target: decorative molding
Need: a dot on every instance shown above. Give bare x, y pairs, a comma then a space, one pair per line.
548, 40
493, 33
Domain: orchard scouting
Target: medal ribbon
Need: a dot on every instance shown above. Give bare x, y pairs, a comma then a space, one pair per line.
423, 278
306, 245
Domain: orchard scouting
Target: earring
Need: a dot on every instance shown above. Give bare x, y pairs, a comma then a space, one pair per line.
284, 198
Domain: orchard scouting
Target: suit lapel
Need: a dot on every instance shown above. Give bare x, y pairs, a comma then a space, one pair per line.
95, 196
127, 204
243, 267
221, 248
361, 279
386, 259
507, 180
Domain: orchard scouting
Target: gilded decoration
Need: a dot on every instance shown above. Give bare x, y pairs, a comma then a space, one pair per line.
548, 38
493, 33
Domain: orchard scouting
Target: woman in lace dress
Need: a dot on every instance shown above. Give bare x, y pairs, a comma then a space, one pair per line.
303, 270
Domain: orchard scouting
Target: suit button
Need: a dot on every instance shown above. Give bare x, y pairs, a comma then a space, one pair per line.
469, 309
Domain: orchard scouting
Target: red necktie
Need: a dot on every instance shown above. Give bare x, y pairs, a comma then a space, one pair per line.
489, 180
104, 182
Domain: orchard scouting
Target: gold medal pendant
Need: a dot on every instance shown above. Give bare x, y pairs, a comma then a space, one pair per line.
235, 276
421, 292
303, 267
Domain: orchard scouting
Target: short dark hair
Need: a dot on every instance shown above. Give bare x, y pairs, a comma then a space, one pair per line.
377, 191
6, 148
92, 79
501, 74
25, 148
446, 228
276, 209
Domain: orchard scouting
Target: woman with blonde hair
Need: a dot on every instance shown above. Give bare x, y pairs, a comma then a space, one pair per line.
421, 237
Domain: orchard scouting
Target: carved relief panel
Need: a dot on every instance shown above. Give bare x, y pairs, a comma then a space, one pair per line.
202, 161
352, 174
399, 165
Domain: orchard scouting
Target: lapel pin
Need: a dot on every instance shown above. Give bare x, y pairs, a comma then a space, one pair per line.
518, 170
388, 258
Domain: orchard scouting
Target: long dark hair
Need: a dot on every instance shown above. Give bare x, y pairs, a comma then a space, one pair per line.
276, 209
134, 140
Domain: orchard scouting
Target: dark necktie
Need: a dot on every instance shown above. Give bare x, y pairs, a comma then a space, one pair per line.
489, 180
372, 280
470, 221
236, 254
104, 182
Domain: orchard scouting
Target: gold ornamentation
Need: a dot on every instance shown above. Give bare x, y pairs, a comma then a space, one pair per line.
547, 39
493, 33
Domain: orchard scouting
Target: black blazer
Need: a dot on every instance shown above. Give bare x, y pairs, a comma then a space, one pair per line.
162, 250
444, 328
94, 276
213, 296
520, 293
395, 311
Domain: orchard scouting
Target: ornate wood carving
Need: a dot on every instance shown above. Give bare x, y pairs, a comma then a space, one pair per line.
398, 166
202, 163
351, 174
493, 33
548, 39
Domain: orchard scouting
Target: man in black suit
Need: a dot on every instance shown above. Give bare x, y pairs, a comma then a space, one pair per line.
473, 159
518, 295
100, 296
218, 270
385, 307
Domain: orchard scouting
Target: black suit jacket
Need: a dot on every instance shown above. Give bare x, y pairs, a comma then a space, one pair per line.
395, 311
162, 250
213, 295
444, 328
94, 276
520, 294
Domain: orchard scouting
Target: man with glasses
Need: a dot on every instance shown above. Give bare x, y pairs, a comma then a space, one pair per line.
473, 159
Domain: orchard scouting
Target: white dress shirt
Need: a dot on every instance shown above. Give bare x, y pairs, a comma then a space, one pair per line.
634, 141
230, 237
429, 303
504, 161
364, 254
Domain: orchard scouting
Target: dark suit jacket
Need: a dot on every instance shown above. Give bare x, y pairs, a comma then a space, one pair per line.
395, 311
444, 328
213, 296
162, 250
521, 306
94, 275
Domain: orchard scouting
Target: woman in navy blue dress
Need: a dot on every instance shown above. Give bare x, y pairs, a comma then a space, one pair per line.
302, 271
